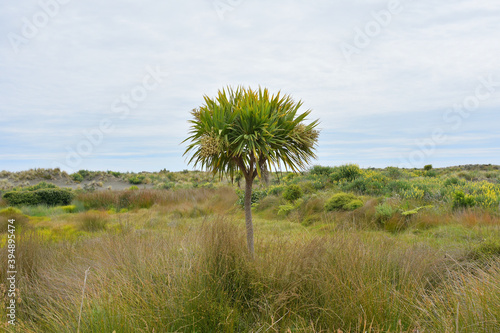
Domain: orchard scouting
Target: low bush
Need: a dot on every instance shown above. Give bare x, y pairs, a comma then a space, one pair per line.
462, 200
347, 172
343, 201
77, 177
321, 170
69, 209
136, 179
394, 173
292, 192
353, 205
384, 212
49, 196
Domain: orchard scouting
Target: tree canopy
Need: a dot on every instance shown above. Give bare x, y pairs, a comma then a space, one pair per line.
245, 129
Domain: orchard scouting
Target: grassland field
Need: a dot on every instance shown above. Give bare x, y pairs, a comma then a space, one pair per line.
338, 249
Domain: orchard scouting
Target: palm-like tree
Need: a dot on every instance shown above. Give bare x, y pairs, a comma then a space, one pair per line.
250, 131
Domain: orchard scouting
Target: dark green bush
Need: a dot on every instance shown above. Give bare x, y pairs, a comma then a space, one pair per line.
293, 192
18, 198
49, 197
428, 167
347, 172
321, 170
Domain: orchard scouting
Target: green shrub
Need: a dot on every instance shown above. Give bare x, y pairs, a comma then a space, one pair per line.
428, 167
55, 197
321, 170
347, 172
133, 188
398, 186
394, 173
77, 177
372, 185
49, 196
384, 212
353, 205
39, 186
275, 190
342, 201
18, 198
115, 173
462, 200
430, 173
292, 192
451, 181
136, 179
165, 186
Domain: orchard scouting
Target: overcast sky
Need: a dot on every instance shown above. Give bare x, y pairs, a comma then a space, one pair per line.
109, 85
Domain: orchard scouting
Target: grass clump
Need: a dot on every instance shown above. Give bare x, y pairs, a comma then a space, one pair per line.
93, 221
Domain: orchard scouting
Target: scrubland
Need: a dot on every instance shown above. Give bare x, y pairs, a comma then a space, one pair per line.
338, 249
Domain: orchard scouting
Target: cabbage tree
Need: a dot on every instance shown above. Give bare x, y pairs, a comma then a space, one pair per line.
250, 131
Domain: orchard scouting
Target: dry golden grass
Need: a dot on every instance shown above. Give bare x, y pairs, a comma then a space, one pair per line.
196, 276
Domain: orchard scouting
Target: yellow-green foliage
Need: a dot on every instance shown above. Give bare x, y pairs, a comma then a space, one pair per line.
343, 201
8, 213
69, 209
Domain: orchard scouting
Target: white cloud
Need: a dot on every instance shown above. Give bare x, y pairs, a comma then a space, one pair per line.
66, 78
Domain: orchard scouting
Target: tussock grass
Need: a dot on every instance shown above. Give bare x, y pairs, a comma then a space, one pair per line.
199, 278
217, 200
93, 221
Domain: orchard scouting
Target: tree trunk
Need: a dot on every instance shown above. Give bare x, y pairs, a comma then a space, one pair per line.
248, 214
